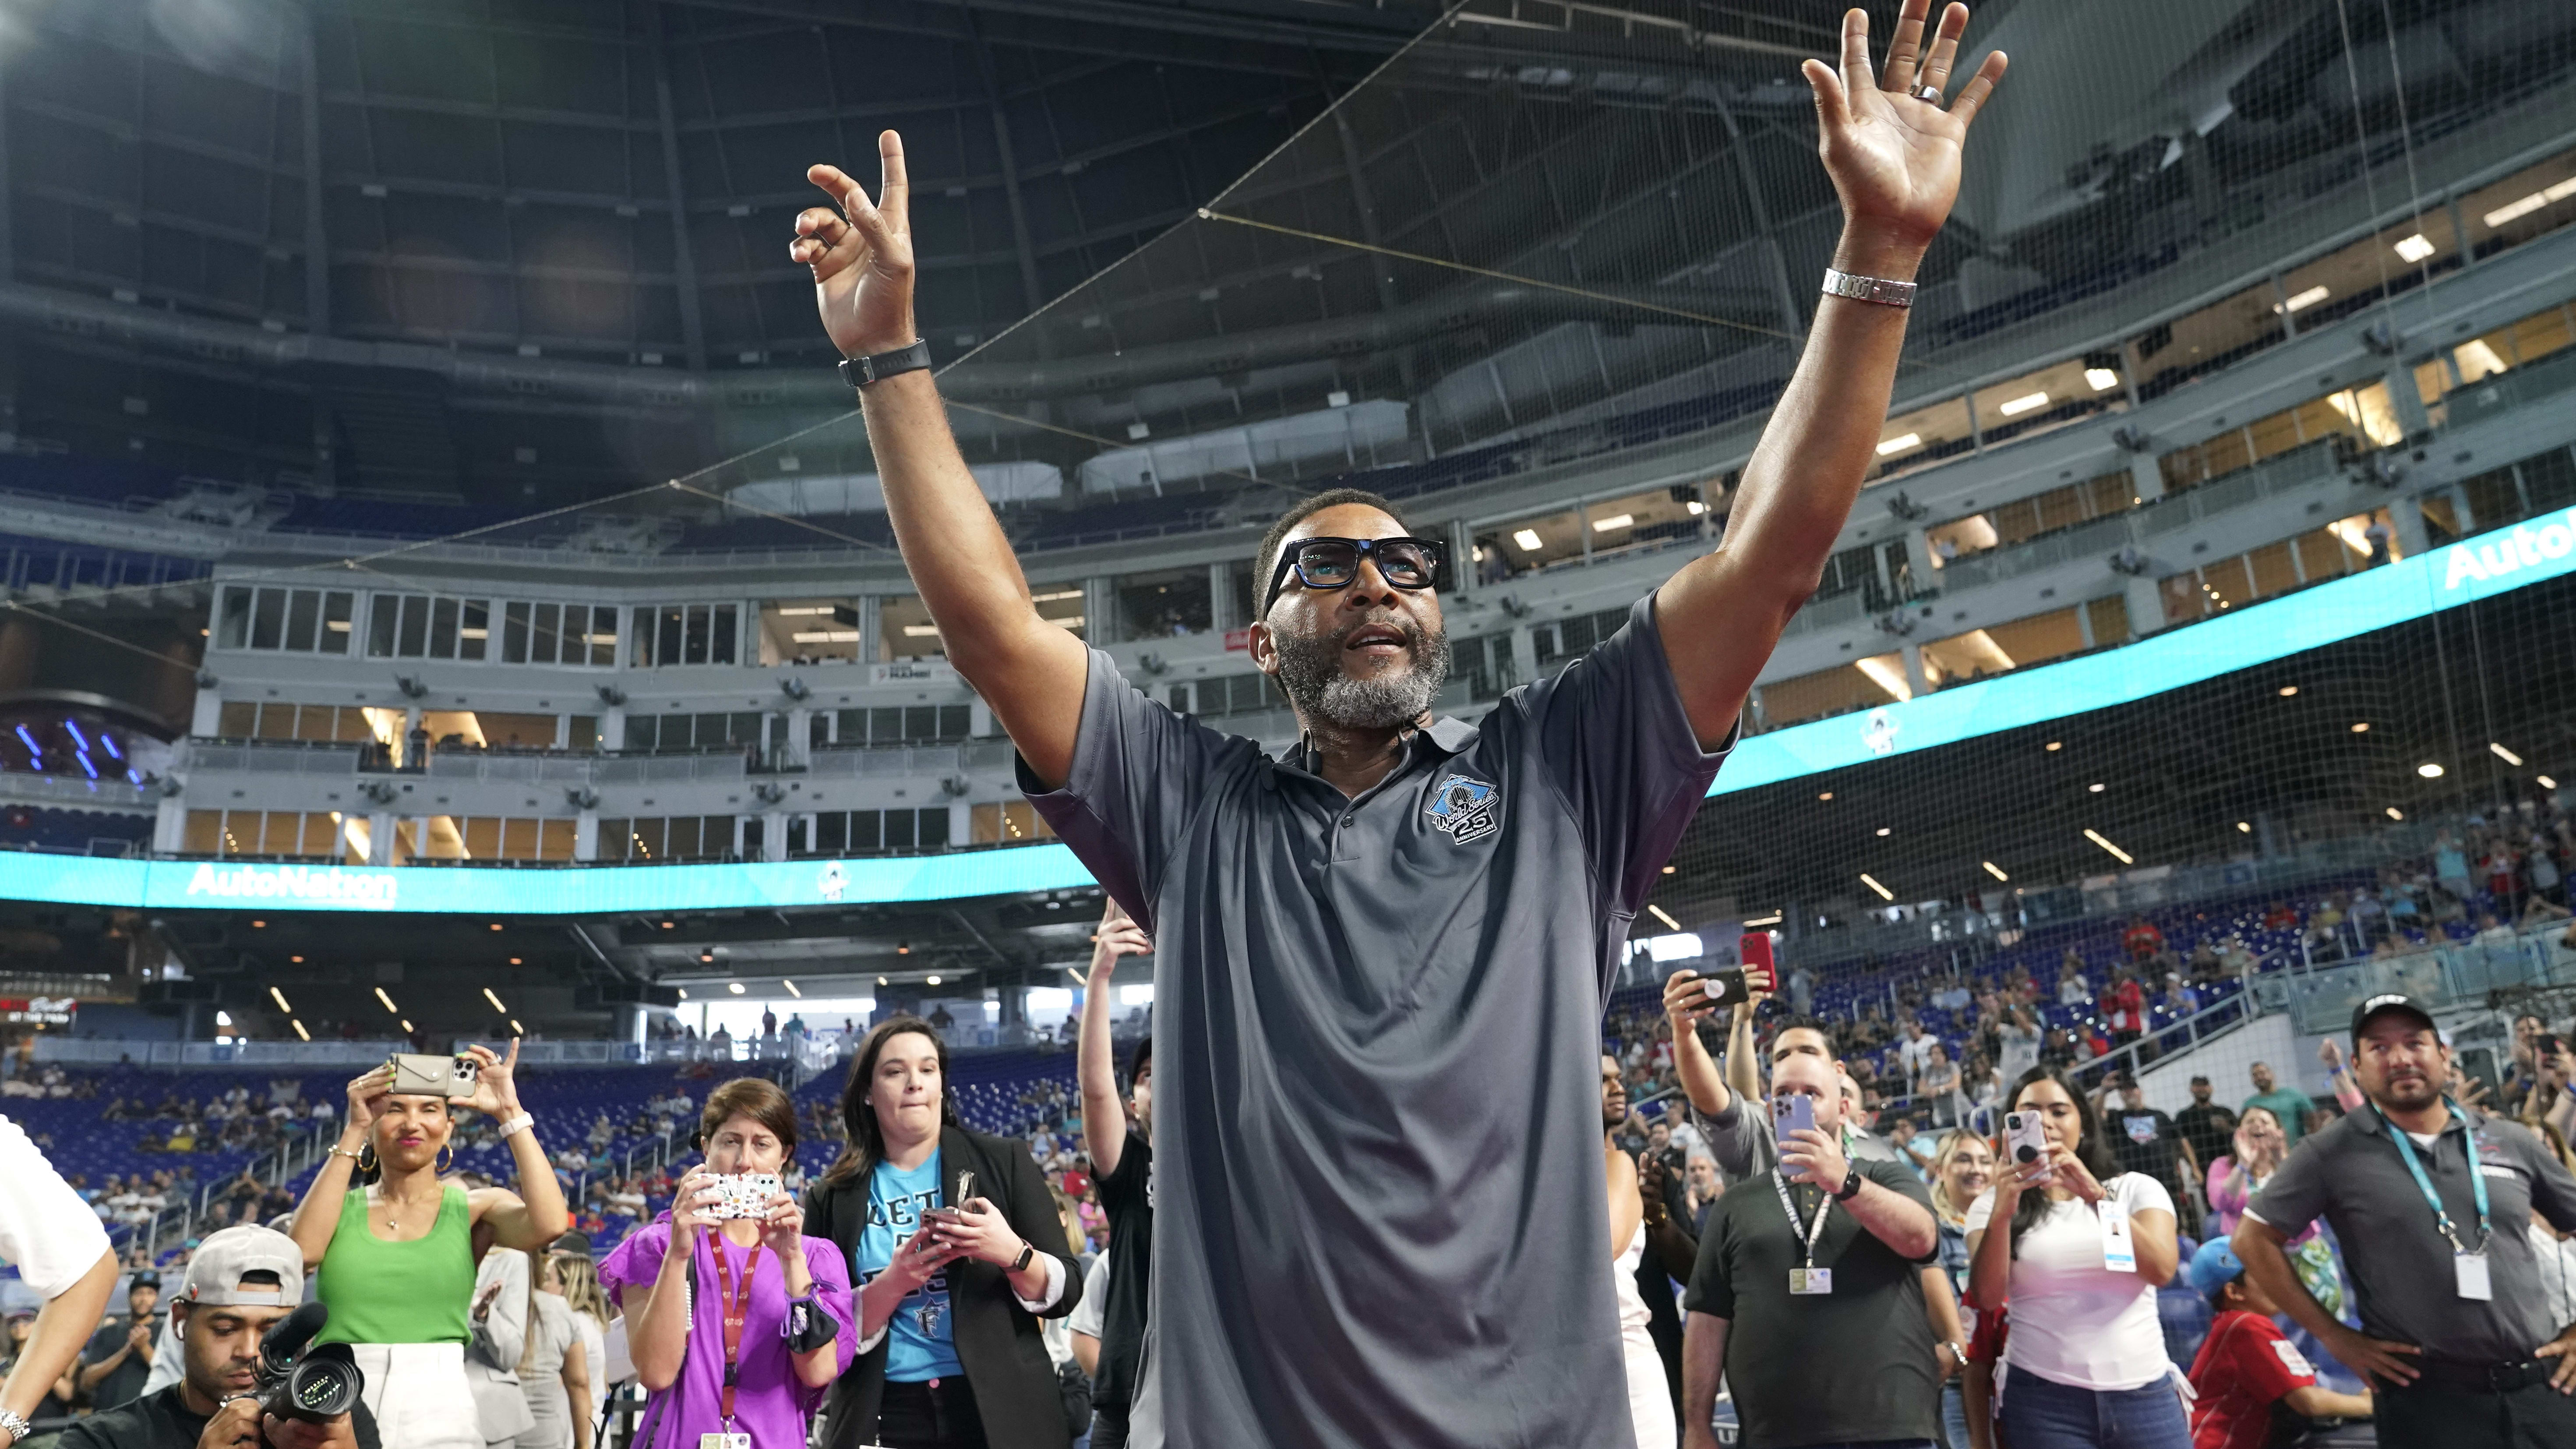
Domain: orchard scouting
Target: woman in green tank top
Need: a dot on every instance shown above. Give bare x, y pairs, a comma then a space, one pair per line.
395, 1258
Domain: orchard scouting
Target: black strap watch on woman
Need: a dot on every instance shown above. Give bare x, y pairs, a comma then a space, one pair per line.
1851, 1185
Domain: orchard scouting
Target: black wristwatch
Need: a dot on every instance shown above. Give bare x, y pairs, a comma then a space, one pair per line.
1850, 1188
877, 367
1028, 1250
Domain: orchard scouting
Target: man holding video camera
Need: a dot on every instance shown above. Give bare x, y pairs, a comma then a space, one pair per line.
242, 1282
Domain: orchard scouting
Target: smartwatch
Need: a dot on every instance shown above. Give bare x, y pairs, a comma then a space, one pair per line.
877, 367
1851, 1186
1028, 1250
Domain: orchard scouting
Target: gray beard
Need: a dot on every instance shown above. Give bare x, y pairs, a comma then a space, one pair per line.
1310, 670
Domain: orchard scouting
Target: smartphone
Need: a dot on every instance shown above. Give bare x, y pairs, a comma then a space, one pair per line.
1725, 988
1793, 1113
954, 1211
2544, 1048
744, 1194
1760, 972
2025, 1137
427, 1076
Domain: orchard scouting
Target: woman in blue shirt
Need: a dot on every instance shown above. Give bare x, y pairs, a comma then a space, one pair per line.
954, 1238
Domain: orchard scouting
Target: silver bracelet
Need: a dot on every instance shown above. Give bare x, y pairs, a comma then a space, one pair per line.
1868, 289
15, 1425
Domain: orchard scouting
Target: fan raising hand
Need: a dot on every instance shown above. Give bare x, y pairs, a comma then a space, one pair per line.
863, 265
1889, 142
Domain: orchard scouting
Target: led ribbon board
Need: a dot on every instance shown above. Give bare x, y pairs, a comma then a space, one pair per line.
2477, 568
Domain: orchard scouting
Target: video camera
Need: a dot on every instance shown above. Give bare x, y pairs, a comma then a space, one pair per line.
294, 1384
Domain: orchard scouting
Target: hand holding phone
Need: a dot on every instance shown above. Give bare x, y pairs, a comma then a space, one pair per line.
743, 1194
1761, 973
434, 1076
1792, 1113
2025, 1140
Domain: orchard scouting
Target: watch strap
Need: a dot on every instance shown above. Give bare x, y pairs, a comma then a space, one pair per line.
1851, 1185
15, 1425
878, 366
1028, 1252
1880, 290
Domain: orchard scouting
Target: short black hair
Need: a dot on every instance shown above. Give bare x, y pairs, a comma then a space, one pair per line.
1268, 557
1140, 1061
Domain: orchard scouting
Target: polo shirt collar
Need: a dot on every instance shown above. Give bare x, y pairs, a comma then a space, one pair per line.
1446, 735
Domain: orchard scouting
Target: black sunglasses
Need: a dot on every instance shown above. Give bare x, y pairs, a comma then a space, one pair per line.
1333, 563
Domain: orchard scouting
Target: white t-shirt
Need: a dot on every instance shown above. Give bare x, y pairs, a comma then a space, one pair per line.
2074, 1321
45, 1229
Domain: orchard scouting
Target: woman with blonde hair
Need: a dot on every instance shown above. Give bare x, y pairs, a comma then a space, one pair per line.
576, 1277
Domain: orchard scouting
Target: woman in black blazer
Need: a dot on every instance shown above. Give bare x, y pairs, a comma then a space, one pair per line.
953, 1238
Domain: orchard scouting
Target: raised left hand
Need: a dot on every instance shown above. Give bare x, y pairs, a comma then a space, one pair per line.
496, 1092
1812, 1156
2070, 1173
1894, 155
979, 1231
782, 1231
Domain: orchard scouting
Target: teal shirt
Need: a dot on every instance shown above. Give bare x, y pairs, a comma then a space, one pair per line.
921, 1342
2291, 1106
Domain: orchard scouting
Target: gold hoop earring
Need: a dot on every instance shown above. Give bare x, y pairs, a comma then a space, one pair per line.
367, 1156
448, 1150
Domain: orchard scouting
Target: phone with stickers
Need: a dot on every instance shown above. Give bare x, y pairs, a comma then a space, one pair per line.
2025, 1138
743, 1194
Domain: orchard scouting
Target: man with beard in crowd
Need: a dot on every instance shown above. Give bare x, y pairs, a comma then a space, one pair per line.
1381, 1215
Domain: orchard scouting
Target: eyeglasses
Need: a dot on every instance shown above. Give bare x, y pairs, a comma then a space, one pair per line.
1333, 563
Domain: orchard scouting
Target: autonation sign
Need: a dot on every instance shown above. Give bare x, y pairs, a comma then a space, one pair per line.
2483, 567
363, 890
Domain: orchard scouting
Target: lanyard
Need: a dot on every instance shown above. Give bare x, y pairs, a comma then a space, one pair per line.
2477, 1178
736, 1309
1788, 1209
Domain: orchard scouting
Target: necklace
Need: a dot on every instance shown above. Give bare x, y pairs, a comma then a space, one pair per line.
395, 1206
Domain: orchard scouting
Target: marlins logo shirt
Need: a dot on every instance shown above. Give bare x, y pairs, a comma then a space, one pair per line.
1380, 1217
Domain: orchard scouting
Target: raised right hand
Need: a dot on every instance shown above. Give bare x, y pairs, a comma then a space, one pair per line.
862, 265
1119, 935
688, 1215
367, 1093
1685, 999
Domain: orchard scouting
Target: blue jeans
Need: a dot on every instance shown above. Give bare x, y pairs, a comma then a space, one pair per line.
1954, 1413
2041, 1414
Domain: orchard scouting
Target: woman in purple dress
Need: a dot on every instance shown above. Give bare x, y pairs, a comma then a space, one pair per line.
737, 1324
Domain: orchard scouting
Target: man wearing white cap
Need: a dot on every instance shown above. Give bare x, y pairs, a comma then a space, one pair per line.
50, 1236
242, 1282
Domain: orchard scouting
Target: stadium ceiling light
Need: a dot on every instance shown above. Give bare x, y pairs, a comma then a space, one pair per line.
2015, 407
791, 988
1058, 597
496, 1001
2414, 248
921, 631
496, 925
734, 986
707, 955
259, 925
666, 925
299, 1028
1696, 507
1994, 870
2546, 783
1528, 539
1672, 870
223, 1018
2244, 828
1757, 922
516, 1029
903, 948
390, 1008
1871, 881
2055, 745
1883, 830
930, 980
2361, 727
2288, 689
296, 960
2429, 770
2396, 814
1824, 794
1900, 444
2117, 853
684, 993
2101, 379
2301, 301
2508, 756
2096, 788
2524, 206
1614, 521
280, 998
881, 981
1663, 915
407, 1027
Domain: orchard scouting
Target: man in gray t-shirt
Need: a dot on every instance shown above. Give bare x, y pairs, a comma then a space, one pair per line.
1380, 1206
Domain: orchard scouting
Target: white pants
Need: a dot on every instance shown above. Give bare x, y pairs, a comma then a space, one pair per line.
418, 1393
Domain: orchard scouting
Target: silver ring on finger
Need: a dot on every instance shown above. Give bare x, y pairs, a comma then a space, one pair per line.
1928, 93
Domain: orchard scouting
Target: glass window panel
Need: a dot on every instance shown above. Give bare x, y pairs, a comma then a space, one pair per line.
667, 637
337, 612
832, 832
519, 840
647, 839
303, 618
474, 629
920, 723
545, 640
514, 633
867, 830
350, 726
898, 826
442, 628
482, 837
413, 641
281, 833
933, 830
984, 824
955, 720
742, 728
582, 732
384, 611
643, 734
728, 631
555, 839
276, 722
268, 619
232, 619
204, 834
682, 835
615, 839
315, 722
238, 720
885, 726
603, 637
240, 832
753, 834
718, 832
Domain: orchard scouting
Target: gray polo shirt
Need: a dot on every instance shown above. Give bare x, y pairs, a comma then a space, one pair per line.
1739, 1140
1380, 1215
2402, 1277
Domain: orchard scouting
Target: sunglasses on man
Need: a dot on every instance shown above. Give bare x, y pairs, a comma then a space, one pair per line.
1326, 564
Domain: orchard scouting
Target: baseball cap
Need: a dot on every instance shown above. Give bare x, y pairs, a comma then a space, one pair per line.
2389, 1001
215, 1273
2213, 1267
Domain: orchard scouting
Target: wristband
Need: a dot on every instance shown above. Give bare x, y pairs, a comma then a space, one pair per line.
877, 367
808, 1326
15, 1425
1880, 290
518, 1124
